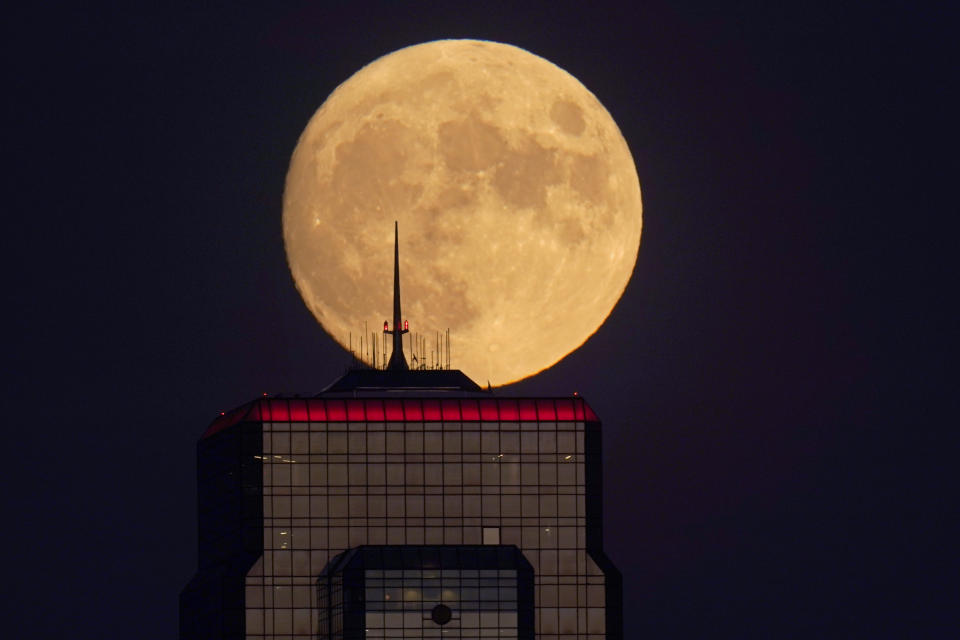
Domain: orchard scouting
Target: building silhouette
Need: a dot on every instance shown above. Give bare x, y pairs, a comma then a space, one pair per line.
402, 503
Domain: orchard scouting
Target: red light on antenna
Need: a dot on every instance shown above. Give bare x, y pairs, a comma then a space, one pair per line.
386, 325
406, 325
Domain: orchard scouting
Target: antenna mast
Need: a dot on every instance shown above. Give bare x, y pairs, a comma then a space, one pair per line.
397, 361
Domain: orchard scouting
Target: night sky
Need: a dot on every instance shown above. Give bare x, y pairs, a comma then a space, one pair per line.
770, 382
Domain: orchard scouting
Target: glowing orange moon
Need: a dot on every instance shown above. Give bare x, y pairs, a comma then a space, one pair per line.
517, 198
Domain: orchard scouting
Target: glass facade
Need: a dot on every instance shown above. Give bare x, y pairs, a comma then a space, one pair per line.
338, 474
230, 488
427, 592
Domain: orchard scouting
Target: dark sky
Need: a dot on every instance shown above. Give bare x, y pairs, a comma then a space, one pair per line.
770, 383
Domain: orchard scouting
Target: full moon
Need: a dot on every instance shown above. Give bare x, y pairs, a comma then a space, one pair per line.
517, 200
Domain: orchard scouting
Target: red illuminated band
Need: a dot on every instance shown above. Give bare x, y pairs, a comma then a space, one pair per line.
407, 410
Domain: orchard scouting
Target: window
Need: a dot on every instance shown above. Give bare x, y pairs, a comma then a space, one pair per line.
491, 535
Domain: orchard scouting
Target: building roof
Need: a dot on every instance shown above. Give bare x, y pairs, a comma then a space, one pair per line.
406, 408
363, 380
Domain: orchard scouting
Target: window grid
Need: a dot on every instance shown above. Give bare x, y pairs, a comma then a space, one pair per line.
330, 486
394, 592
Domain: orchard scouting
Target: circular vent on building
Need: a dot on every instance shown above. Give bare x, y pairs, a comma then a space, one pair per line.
441, 614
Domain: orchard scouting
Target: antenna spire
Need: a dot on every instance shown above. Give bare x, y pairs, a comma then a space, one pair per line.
397, 360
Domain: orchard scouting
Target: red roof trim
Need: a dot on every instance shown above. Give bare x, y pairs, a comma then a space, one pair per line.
356, 411
431, 410
317, 411
564, 409
375, 411
507, 408
450, 409
298, 410
412, 411
488, 410
394, 410
406, 410
469, 409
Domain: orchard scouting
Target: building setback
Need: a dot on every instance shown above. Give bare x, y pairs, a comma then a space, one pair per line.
402, 504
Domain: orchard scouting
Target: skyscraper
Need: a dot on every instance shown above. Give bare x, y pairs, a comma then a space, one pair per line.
402, 503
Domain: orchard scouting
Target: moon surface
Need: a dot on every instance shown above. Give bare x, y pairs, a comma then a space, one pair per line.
517, 199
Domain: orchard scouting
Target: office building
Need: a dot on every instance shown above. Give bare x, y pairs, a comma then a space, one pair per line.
402, 503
